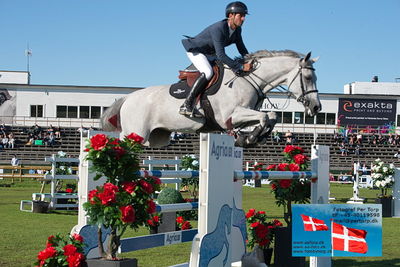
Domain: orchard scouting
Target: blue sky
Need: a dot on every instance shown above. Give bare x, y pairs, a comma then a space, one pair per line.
137, 43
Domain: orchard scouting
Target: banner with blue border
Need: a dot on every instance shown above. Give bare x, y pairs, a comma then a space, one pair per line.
351, 230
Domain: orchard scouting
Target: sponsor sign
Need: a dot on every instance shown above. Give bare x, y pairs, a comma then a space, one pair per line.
373, 112
339, 230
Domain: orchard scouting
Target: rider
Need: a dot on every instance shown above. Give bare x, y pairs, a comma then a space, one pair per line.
211, 43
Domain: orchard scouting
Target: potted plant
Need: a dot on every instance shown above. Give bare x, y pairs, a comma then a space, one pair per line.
261, 232
169, 195
124, 200
286, 192
153, 223
383, 178
62, 251
191, 163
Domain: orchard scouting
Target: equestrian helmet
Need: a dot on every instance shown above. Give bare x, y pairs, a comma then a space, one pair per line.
236, 7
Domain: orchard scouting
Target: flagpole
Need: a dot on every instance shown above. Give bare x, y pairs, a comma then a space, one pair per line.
28, 53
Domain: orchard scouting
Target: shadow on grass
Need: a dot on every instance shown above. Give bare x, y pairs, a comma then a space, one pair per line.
377, 263
64, 212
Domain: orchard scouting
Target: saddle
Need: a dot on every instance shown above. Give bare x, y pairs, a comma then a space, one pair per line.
188, 76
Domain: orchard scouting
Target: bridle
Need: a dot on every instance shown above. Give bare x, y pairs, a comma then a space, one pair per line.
261, 95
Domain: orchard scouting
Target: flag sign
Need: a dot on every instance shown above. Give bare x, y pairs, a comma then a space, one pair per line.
312, 224
324, 230
348, 239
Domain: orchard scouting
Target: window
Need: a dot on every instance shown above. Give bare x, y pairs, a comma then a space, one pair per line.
287, 117
331, 118
321, 118
67, 112
95, 112
309, 120
61, 112
278, 117
84, 112
37, 111
72, 111
299, 117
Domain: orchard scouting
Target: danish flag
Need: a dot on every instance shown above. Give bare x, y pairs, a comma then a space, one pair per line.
312, 224
348, 239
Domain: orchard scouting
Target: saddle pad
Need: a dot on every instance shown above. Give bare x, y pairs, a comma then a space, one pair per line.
181, 89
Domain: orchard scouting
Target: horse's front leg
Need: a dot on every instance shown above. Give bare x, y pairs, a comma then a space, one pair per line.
242, 117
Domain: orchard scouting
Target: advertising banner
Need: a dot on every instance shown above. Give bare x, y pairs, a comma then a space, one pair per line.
366, 112
339, 230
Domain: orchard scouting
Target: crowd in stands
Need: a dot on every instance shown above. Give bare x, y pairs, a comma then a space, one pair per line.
7, 138
39, 136
289, 137
352, 142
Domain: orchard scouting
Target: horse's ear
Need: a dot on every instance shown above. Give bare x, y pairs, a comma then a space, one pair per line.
307, 56
315, 59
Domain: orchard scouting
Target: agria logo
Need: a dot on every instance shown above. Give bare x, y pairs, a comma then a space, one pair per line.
347, 105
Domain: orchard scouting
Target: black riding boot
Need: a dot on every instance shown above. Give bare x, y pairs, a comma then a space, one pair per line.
188, 107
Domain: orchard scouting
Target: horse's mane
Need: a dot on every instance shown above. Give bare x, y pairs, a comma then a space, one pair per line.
273, 53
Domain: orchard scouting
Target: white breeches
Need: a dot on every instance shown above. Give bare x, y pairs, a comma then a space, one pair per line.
201, 62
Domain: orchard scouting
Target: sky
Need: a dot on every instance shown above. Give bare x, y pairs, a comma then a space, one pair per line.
138, 43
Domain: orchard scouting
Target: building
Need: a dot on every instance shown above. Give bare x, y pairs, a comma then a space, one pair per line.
363, 104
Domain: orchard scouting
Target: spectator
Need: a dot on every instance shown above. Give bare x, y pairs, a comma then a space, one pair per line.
343, 149
57, 132
359, 138
276, 136
336, 138
4, 141
397, 154
289, 137
357, 150
14, 161
50, 129
51, 139
381, 140
390, 140
31, 139
396, 139
11, 140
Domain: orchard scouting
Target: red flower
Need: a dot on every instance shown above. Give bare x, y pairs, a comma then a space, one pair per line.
285, 183
300, 159
136, 138
156, 180
180, 220
273, 186
289, 149
260, 212
128, 214
261, 231
69, 250
99, 141
115, 142
75, 260
129, 187
254, 224
92, 194
119, 152
69, 190
47, 253
264, 242
150, 222
148, 188
151, 206
250, 213
271, 167
86, 150
283, 167
108, 195
77, 237
156, 219
294, 167
277, 223
186, 225
50, 241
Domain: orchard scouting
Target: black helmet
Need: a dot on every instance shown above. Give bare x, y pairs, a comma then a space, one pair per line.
236, 7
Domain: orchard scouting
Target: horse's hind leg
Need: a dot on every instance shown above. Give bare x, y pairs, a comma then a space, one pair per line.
159, 138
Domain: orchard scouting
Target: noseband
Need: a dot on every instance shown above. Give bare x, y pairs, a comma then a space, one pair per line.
302, 98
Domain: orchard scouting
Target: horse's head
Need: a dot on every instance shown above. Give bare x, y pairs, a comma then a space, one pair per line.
301, 83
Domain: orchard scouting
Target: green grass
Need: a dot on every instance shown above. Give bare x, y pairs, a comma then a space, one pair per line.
23, 234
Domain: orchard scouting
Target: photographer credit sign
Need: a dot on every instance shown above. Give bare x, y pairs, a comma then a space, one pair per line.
368, 112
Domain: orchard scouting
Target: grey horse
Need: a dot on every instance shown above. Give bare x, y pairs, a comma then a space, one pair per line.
153, 114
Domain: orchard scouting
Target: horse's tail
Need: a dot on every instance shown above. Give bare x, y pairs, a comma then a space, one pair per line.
110, 120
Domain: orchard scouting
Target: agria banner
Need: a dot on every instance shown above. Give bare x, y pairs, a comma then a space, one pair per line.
374, 112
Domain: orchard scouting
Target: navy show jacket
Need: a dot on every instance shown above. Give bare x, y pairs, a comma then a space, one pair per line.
213, 40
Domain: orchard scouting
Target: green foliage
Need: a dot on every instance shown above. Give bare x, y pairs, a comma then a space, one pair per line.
170, 195
191, 163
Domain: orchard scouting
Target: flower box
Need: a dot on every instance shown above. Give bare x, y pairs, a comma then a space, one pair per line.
387, 205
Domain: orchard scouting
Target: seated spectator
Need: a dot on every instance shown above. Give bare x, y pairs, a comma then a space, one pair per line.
390, 139
4, 141
357, 150
359, 138
343, 149
31, 139
335, 138
396, 139
36, 129
3, 128
57, 132
381, 140
50, 129
289, 137
276, 136
51, 139
11, 140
